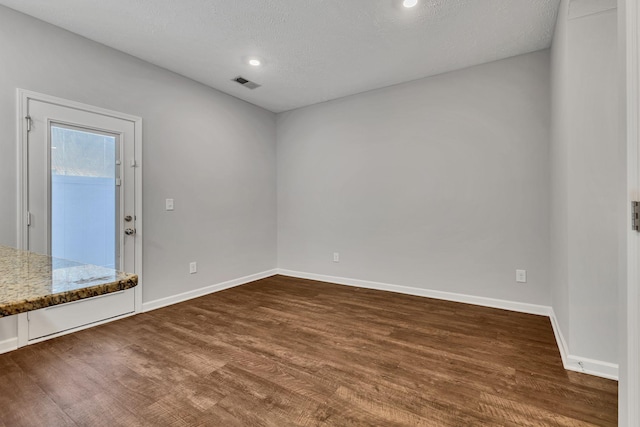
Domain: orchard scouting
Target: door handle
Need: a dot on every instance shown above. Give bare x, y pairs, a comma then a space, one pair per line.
128, 218
130, 231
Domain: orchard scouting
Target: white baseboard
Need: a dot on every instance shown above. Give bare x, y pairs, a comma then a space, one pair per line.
569, 361
521, 307
562, 343
8, 345
174, 299
592, 367
581, 364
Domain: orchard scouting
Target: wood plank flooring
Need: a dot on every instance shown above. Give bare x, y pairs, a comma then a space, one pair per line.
289, 352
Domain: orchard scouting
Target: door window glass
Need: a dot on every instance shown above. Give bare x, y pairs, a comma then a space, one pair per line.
84, 196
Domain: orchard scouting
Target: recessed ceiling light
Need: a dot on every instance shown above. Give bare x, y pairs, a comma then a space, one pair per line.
409, 3
255, 62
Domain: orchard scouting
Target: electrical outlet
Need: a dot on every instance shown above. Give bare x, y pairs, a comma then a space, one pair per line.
336, 257
521, 276
168, 204
193, 268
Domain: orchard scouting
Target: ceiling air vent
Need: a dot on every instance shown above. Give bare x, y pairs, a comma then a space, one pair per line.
246, 83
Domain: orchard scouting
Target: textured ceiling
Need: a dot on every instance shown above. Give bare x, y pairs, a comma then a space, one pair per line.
313, 50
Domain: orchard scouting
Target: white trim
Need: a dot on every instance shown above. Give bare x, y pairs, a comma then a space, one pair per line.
597, 368
8, 345
569, 361
185, 296
562, 343
581, 364
521, 307
27, 94
80, 328
630, 390
137, 257
21, 161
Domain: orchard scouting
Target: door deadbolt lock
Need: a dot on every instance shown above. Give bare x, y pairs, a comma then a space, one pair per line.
130, 231
128, 218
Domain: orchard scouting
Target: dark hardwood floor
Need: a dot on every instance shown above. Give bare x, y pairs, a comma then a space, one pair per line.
290, 352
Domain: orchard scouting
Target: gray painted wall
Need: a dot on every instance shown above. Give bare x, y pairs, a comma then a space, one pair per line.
586, 167
441, 183
214, 154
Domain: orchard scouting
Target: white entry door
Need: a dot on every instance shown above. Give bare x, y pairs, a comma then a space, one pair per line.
81, 186
79, 191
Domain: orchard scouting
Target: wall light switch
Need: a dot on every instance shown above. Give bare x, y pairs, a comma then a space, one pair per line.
521, 276
169, 204
336, 257
193, 268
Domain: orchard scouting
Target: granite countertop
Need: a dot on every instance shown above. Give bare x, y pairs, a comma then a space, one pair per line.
30, 281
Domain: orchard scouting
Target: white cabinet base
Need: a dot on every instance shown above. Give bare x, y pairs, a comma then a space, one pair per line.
39, 325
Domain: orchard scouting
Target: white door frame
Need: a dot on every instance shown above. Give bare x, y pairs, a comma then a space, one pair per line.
23, 97
630, 298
